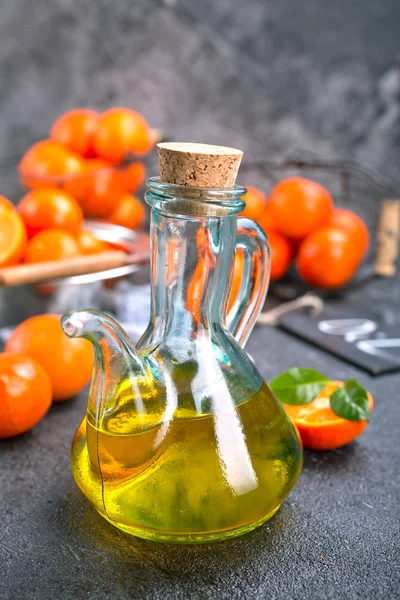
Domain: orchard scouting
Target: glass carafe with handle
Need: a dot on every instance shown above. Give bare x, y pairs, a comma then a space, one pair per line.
183, 441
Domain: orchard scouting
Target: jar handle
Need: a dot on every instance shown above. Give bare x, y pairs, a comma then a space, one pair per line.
253, 288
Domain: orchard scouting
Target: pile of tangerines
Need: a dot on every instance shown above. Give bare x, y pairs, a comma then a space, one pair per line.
89, 167
40, 364
302, 224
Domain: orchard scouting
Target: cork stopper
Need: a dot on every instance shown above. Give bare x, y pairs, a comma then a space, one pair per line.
198, 165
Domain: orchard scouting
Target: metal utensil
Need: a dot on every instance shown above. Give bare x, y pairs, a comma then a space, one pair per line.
135, 250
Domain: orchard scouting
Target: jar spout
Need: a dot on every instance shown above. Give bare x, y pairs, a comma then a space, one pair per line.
116, 358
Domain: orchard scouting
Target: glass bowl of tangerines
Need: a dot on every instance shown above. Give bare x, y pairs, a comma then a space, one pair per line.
80, 204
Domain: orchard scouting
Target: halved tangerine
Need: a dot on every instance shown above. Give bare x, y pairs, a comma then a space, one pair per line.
12, 237
319, 427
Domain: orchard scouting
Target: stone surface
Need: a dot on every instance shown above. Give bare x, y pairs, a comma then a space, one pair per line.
267, 77
335, 537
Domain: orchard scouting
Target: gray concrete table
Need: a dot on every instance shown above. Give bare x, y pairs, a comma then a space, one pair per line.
336, 536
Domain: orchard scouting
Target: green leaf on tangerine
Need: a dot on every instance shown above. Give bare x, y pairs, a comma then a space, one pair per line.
298, 386
350, 402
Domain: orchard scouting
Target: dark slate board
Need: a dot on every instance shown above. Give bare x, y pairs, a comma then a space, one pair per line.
383, 360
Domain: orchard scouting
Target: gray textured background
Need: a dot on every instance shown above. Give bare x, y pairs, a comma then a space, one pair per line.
268, 77
262, 75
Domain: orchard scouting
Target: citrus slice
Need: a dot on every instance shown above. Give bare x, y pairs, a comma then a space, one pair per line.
5, 204
12, 236
319, 427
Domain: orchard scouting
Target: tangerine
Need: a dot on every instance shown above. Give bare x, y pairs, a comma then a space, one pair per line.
281, 255
328, 258
5, 204
75, 129
12, 235
299, 206
68, 362
266, 220
47, 161
51, 244
256, 203
319, 427
120, 132
128, 212
132, 176
89, 243
81, 186
206, 262
104, 191
48, 208
25, 394
236, 277
351, 222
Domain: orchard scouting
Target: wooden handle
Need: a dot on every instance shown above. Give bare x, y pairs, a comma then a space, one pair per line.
39, 272
388, 237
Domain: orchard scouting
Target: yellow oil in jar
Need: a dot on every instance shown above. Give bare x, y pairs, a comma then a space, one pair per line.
194, 477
